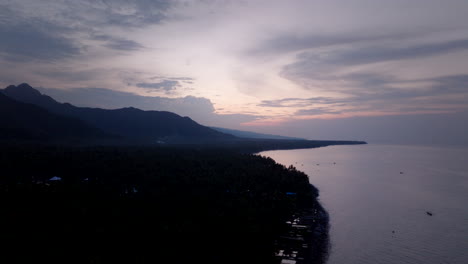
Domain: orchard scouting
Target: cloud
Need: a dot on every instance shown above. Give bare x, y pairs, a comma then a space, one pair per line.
182, 78
299, 102
118, 43
382, 94
166, 85
33, 39
294, 42
188, 80
198, 108
312, 63
90, 13
315, 111
454, 83
344, 71
123, 13
374, 86
54, 30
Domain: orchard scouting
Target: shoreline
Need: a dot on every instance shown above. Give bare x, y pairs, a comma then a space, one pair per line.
310, 225
122, 195
306, 239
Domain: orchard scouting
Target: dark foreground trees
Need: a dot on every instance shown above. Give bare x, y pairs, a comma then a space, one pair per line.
144, 205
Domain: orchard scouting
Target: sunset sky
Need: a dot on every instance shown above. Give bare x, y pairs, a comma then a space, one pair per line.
384, 71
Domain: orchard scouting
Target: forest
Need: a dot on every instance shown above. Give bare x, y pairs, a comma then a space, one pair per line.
148, 205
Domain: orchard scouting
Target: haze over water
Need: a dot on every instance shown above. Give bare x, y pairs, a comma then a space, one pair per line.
378, 197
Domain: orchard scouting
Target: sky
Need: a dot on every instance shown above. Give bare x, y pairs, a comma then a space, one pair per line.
382, 71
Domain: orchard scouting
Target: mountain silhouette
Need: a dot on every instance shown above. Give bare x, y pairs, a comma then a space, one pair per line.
22, 121
129, 123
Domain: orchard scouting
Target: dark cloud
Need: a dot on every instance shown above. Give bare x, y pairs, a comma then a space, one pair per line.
134, 13
54, 30
185, 79
380, 93
378, 54
371, 91
313, 64
365, 79
315, 111
118, 13
454, 83
296, 42
426, 108
118, 43
123, 44
373, 86
300, 102
35, 40
182, 78
166, 85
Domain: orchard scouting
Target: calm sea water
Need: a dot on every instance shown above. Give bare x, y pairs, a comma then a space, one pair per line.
378, 197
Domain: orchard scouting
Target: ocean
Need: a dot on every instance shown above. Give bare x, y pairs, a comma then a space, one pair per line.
390, 203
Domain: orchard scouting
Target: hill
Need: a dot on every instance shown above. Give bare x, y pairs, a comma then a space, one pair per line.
128, 126
21, 121
130, 123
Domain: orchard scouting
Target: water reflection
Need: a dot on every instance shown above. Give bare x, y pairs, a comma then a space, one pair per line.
390, 204
306, 239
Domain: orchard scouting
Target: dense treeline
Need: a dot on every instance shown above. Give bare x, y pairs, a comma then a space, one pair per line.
254, 145
145, 205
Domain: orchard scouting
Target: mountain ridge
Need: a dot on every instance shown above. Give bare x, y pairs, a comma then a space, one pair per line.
123, 126
29, 122
130, 123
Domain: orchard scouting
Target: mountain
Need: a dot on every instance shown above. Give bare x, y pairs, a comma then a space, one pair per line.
21, 121
249, 134
130, 123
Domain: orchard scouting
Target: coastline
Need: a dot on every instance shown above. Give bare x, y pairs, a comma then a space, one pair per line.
306, 240
309, 225
122, 195
435, 175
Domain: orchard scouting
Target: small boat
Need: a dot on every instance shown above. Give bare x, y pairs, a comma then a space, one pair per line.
428, 213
